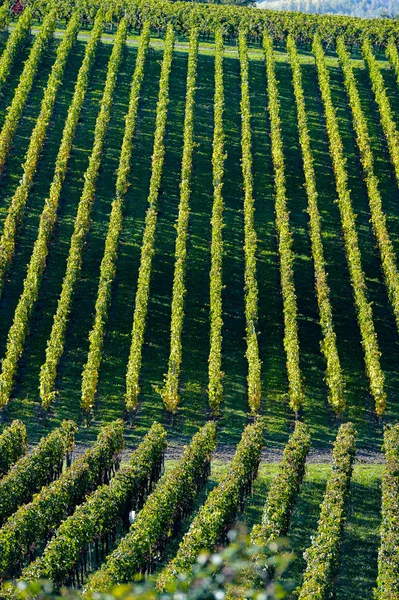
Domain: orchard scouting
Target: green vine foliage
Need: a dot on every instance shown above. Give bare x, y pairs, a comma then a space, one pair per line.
17, 39
165, 507
27, 301
55, 344
323, 555
20, 325
210, 17
388, 559
108, 263
4, 15
220, 508
348, 223
13, 445
384, 106
284, 489
334, 377
211, 577
393, 57
254, 383
96, 519
32, 472
26, 80
34, 522
19, 199
170, 391
378, 219
291, 342
215, 373
277, 511
147, 247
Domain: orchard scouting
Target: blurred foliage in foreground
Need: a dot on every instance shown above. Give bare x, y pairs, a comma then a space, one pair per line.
239, 570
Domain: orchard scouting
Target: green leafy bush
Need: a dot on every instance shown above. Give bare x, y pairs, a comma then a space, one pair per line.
13, 445
165, 507
34, 522
32, 472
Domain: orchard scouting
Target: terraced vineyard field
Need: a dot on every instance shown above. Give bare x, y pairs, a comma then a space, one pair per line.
199, 228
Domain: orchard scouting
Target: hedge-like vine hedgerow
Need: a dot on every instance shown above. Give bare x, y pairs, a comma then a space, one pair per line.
19, 327
393, 57
108, 263
208, 527
34, 522
147, 247
388, 558
378, 219
231, 18
283, 489
170, 391
4, 15
32, 472
25, 85
323, 555
96, 519
254, 383
17, 38
291, 342
55, 344
36, 142
163, 511
215, 373
27, 301
384, 106
348, 223
334, 377
278, 508
13, 445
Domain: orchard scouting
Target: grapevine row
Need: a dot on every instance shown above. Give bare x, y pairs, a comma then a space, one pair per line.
4, 15
250, 242
388, 559
95, 519
393, 56
13, 445
208, 527
323, 555
18, 202
25, 85
170, 390
15, 41
34, 522
386, 117
210, 17
280, 502
165, 507
378, 219
291, 342
364, 311
147, 248
108, 263
334, 378
32, 472
284, 489
55, 344
215, 374
26, 303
